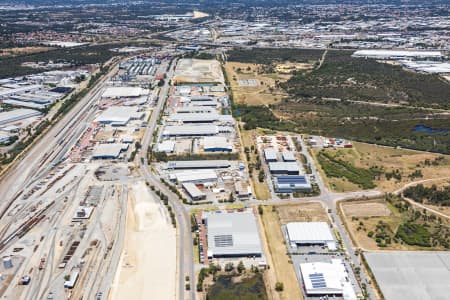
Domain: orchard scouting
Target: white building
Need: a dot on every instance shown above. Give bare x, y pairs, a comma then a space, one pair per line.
332, 279
310, 233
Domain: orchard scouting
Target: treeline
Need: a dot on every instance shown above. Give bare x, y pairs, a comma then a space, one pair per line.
82, 55
334, 167
430, 195
345, 77
269, 56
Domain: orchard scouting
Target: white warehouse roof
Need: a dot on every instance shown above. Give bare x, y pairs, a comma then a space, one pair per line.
216, 142
190, 130
309, 232
118, 114
381, 53
197, 176
17, 114
321, 278
123, 91
233, 235
194, 117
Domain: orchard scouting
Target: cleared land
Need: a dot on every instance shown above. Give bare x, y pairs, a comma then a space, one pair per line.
411, 275
263, 93
284, 270
305, 212
147, 267
393, 168
198, 71
366, 209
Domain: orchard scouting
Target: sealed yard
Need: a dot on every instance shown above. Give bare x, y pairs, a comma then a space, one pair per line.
411, 275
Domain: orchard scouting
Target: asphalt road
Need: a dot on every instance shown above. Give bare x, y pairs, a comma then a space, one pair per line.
185, 247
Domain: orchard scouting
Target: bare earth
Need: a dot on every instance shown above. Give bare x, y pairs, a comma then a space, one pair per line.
368, 209
147, 269
305, 212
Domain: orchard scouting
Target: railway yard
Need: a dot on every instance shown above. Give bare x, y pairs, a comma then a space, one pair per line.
65, 202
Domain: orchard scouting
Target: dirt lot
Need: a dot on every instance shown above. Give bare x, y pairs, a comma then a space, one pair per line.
282, 267
147, 268
263, 93
366, 209
389, 159
305, 212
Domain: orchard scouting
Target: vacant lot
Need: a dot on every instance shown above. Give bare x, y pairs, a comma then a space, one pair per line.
305, 212
393, 225
366, 209
393, 167
261, 188
263, 93
284, 270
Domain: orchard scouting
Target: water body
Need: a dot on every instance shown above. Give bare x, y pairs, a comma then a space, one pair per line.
423, 128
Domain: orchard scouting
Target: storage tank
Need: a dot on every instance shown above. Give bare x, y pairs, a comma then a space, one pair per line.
7, 262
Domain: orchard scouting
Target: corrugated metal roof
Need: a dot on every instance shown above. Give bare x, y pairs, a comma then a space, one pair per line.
190, 130
309, 232
233, 234
198, 164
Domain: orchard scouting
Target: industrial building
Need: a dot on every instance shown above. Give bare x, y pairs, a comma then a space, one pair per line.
284, 168
291, 183
232, 235
288, 156
198, 164
190, 130
327, 279
270, 155
216, 144
196, 176
310, 233
397, 54
119, 115
109, 151
17, 115
193, 191
124, 91
195, 109
194, 117
166, 146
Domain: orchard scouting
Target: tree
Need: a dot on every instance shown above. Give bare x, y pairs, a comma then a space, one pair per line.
279, 286
229, 267
240, 267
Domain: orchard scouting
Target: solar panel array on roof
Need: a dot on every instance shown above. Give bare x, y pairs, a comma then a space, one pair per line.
317, 280
225, 240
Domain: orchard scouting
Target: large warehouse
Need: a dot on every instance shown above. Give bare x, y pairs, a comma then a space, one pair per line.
284, 168
17, 115
310, 233
327, 279
190, 130
216, 144
124, 91
291, 183
232, 235
198, 164
119, 115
